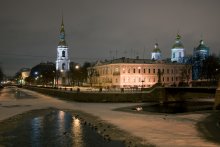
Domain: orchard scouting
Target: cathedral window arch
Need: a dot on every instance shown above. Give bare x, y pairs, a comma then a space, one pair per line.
179, 54
63, 53
63, 66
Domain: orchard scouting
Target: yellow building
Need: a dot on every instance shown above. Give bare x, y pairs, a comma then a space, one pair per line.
133, 73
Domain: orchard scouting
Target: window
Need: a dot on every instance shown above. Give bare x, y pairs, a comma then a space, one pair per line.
144, 70
168, 71
134, 70
63, 53
154, 70
168, 79
158, 71
173, 55
163, 79
123, 70
129, 70
116, 80
63, 66
148, 70
179, 54
139, 70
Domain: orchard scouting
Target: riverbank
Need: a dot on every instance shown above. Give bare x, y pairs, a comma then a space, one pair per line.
160, 130
108, 132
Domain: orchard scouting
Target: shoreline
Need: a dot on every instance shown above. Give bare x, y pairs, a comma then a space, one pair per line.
105, 129
178, 130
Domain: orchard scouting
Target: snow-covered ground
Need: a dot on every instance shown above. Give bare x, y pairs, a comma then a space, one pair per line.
159, 129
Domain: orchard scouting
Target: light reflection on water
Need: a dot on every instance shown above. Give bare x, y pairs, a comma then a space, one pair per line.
36, 126
55, 128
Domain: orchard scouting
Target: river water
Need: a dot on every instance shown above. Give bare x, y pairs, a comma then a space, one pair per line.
53, 128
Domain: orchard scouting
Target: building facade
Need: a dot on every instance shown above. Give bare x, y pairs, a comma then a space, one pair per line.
62, 62
129, 73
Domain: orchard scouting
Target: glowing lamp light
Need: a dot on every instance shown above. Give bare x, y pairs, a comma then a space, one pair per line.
77, 66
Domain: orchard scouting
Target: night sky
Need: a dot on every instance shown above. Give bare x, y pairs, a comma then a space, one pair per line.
96, 29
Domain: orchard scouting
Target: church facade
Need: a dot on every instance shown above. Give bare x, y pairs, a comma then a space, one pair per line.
63, 61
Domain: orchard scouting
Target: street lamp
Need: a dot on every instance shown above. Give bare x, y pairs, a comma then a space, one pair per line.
77, 67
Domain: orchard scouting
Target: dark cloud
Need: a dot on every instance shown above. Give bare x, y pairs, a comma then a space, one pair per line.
95, 29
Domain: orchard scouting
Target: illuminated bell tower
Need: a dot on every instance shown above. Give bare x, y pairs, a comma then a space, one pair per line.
62, 62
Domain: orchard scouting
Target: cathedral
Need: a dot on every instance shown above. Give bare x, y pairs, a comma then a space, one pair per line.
177, 51
62, 62
156, 54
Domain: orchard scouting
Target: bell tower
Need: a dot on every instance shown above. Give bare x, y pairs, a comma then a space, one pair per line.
62, 62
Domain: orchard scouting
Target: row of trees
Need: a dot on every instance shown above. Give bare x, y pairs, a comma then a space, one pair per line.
207, 69
46, 74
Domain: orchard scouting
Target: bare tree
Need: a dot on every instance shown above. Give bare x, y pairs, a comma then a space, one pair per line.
186, 72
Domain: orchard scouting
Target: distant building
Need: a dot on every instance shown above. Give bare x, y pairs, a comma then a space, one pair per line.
62, 62
22, 75
156, 53
127, 73
177, 51
200, 53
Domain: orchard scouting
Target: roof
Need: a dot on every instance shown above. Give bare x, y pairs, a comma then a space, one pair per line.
62, 41
156, 49
178, 43
132, 61
201, 46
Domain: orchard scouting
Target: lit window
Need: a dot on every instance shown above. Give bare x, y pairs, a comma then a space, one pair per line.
116, 69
